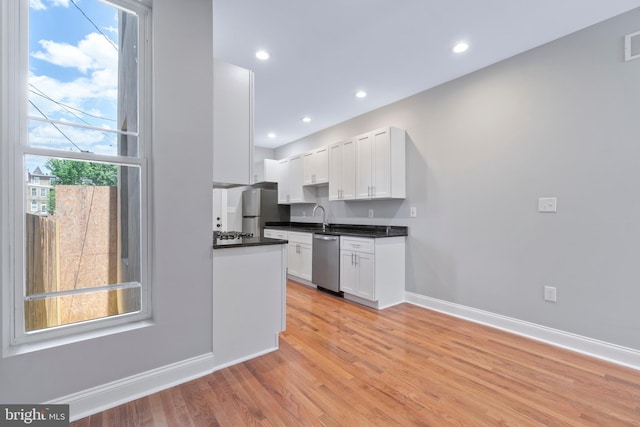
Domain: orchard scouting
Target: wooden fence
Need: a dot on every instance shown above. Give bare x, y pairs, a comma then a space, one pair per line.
74, 249
42, 271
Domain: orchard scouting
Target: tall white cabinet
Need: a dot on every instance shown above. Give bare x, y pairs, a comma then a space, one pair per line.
381, 164
232, 124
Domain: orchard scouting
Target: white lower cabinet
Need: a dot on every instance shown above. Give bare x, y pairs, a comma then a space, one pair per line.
372, 271
357, 274
300, 252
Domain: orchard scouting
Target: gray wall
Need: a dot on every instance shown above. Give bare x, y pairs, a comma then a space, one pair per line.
560, 120
182, 211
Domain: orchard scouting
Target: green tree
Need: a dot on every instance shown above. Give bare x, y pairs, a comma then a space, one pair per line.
73, 172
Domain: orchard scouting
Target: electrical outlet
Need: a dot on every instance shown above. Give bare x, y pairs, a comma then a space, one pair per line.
370, 213
547, 204
550, 294
413, 212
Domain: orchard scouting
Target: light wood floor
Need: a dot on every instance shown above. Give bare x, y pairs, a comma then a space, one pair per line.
343, 364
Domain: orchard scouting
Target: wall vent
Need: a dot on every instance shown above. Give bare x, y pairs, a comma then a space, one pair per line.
632, 46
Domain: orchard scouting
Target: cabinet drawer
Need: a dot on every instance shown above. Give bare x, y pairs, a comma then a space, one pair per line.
357, 244
275, 234
306, 238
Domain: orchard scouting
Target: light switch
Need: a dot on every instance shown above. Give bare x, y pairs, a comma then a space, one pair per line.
413, 212
547, 204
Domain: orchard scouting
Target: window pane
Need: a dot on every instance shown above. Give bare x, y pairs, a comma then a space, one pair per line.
63, 310
83, 63
89, 236
72, 138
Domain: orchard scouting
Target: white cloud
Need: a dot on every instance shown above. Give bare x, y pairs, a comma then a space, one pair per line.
92, 52
63, 3
37, 5
64, 55
111, 29
95, 91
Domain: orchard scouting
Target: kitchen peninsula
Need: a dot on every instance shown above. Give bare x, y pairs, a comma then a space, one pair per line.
249, 297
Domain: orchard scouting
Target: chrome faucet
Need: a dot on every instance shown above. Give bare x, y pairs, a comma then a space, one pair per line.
324, 221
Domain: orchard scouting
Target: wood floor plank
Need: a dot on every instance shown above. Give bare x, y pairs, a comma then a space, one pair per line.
343, 364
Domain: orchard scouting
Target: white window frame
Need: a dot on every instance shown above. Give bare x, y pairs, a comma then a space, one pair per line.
43, 192
13, 125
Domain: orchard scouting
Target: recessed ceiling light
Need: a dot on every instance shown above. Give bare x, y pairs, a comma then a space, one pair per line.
460, 47
306, 119
361, 94
262, 54
271, 135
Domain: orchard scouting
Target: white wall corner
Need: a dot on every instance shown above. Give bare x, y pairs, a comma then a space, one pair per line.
106, 396
599, 349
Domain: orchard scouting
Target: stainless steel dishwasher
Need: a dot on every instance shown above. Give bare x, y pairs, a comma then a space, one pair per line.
325, 263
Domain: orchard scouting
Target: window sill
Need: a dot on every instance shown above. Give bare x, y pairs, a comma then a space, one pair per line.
44, 344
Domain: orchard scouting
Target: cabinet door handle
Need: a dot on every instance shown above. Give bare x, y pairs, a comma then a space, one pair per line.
356, 258
352, 254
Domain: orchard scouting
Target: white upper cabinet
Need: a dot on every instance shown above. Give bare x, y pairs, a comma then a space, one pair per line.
316, 166
232, 124
381, 164
284, 197
342, 170
265, 170
290, 188
299, 193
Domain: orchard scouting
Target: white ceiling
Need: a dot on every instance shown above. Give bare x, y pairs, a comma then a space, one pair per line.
323, 51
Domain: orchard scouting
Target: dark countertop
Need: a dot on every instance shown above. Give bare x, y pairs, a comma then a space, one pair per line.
377, 231
246, 242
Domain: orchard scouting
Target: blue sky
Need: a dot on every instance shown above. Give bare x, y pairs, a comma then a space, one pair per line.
74, 64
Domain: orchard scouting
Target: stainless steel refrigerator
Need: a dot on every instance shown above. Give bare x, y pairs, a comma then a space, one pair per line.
260, 205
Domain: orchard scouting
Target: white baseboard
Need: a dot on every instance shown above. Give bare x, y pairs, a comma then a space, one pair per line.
107, 396
301, 281
103, 397
599, 349
244, 359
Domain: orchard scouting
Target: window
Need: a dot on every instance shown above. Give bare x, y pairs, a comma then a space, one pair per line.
84, 118
34, 192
